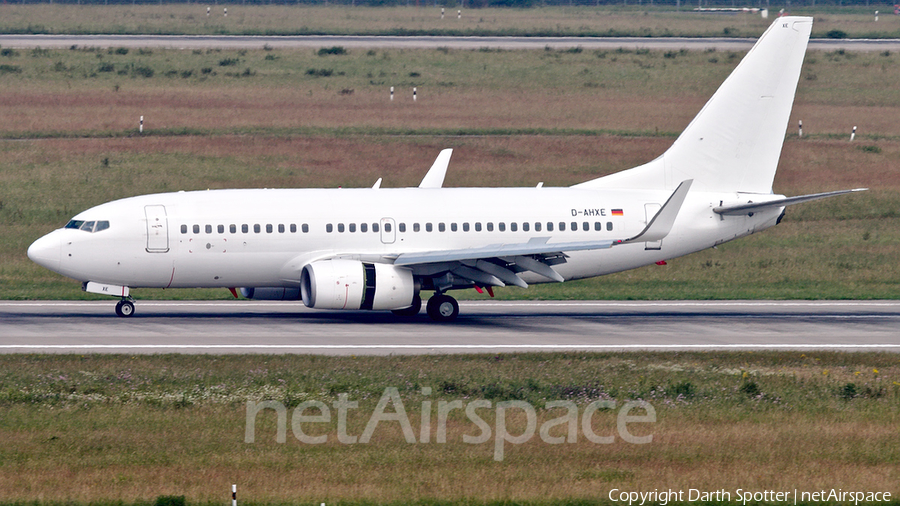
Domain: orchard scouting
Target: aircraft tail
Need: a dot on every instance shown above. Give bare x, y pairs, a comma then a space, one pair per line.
734, 143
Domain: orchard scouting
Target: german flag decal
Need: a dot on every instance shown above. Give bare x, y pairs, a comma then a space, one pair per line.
617, 212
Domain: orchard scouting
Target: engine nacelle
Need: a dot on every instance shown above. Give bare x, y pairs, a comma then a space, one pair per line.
351, 284
271, 293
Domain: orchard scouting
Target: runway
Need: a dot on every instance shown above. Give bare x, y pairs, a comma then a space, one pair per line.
421, 42
482, 327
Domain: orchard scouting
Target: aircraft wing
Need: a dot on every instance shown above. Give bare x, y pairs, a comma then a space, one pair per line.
500, 264
536, 246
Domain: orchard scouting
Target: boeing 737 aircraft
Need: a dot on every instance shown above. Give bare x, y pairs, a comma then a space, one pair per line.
377, 248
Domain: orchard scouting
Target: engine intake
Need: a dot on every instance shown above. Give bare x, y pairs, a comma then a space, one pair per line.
351, 284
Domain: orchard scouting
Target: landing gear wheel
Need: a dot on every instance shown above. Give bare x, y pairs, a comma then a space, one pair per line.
125, 308
412, 310
442, 308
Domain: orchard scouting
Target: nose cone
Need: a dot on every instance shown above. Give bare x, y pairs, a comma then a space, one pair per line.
46, 251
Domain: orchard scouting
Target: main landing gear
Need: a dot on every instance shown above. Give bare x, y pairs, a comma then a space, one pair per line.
442, 308
125, 308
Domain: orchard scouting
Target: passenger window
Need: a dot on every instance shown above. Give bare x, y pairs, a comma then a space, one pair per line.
269, 228
232, 228
220, 229
574, 227
442, 227
490, 226
363, 227
305, 228
428, 227
453, 227
101, 225
586, 226
525, 227
401, 227
352, 227
598, 226
375, 227
293, 228
208, 229
387, 227
257, 228
415, 227
609, 226
501, 226
340, 227
478, 226
245, 228
537, 227
196, 229
466, 227
562, 226
280, 228
513, 227
329, 228
184, 229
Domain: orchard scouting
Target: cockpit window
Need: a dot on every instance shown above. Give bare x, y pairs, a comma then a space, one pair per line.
88, 226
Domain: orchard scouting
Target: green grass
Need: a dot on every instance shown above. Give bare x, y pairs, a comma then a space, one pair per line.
120, 428
638, 20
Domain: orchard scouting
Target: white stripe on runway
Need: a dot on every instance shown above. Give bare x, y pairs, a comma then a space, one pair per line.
435, 347
523, 303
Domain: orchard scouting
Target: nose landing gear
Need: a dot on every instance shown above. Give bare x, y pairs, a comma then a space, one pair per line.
125, 308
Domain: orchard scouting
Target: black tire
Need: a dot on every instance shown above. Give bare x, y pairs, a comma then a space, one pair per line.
442, 308
412, 310
125, 308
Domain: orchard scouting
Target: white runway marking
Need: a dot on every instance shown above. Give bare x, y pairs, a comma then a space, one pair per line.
449, 347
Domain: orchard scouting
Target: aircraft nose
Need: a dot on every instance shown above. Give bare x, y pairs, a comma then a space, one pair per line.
46, 251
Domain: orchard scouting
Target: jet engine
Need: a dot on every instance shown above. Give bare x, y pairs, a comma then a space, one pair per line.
351, 284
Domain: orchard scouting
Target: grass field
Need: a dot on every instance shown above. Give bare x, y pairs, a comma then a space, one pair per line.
103, 429
638, 21
221, 119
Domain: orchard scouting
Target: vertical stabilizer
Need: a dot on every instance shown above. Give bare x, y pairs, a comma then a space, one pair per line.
735, 141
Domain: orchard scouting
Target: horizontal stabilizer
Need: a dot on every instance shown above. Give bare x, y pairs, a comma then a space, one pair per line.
741, 209
435, 176
661, 224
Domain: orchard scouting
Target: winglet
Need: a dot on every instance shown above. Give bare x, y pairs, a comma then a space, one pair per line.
661, 224
435, 176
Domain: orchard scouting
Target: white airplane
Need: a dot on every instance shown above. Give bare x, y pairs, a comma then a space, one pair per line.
376, 248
